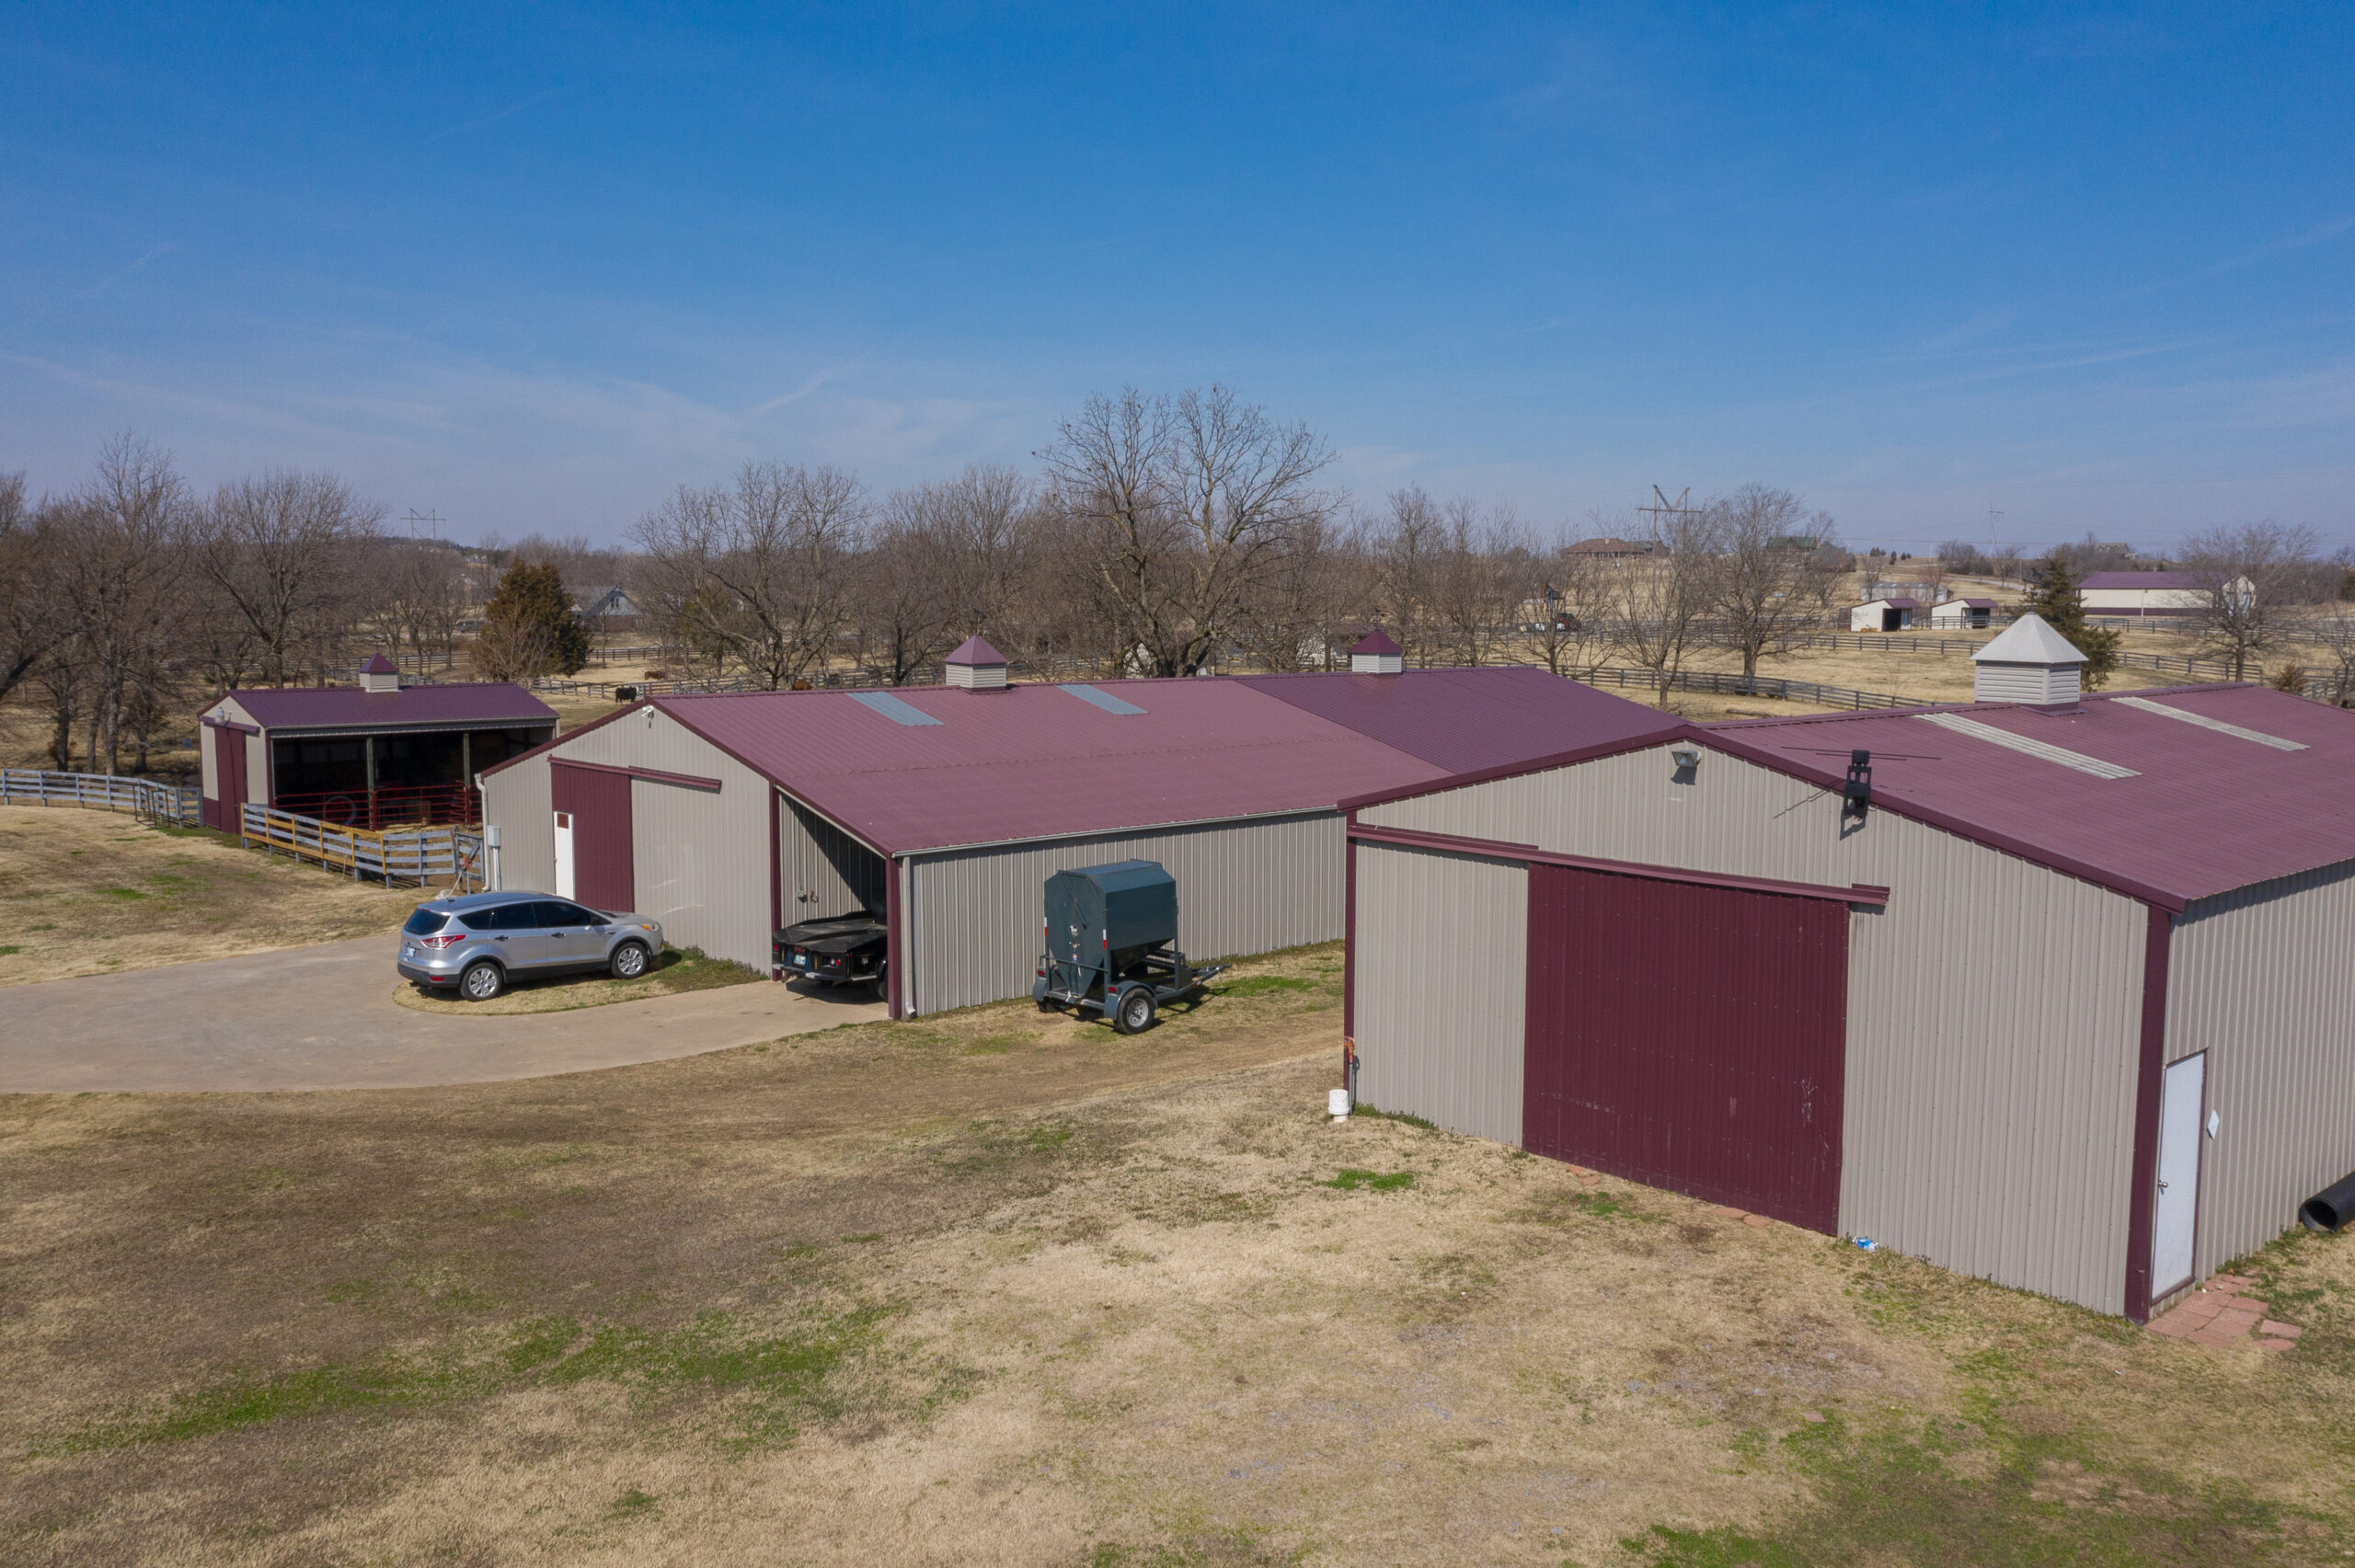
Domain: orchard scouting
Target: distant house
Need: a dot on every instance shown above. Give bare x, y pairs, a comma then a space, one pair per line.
1884, 615
1610, 549
2149, 593
608, 609
1957, 614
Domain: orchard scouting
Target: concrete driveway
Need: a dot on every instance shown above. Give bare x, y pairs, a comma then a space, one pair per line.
323, 1017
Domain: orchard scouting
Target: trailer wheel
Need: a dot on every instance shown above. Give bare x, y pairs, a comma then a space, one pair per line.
1133, 1014
881, 984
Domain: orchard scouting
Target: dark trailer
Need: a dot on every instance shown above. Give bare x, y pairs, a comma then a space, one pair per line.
1110, 933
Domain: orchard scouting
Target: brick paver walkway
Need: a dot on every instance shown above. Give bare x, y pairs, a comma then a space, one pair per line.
2222, 1313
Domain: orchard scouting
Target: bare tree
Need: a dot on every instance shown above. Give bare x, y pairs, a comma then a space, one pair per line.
1291, 609
1655, 602
423, 591
1176, 505
1573, 605
1482, 576
2333, 635
1769, 577
284, 557
30, 622
760, 571
2247, 576
1407, 544
118, 584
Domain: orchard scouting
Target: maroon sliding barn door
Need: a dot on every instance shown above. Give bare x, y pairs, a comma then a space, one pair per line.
229, 778
602, 846
1689, 1037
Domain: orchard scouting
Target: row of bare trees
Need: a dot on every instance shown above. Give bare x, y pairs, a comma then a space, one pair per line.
1168, 535
128, 597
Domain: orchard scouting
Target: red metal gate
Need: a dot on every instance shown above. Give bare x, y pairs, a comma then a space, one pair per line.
602, 850
1689, 1037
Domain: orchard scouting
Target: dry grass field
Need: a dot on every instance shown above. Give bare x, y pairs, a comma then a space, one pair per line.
91, 892
1003, 1288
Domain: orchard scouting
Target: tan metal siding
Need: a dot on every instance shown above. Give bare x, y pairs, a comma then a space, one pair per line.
825, 871
1442, 1040
1242, 887
207, 762
2259, 980
1993, 1008
259, 784
701, 859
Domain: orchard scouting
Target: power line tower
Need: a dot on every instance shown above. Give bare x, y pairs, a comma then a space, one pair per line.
1995, 538
433, 521
1662, 507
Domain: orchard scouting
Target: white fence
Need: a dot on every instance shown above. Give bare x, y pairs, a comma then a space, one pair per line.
415, 855
146, 799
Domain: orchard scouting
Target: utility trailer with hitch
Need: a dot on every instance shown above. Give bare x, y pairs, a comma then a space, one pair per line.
840, 950
1111, 938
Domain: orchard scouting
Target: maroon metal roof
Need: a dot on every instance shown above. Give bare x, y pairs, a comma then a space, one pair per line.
1376, 641
1467, 720
2206, 811
2143, 579
1035, 761
976, 649
488, 702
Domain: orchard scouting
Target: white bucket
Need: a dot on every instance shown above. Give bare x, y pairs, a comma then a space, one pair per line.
1337, 1102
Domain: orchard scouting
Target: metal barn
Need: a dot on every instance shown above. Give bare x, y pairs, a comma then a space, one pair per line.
945, 809
369, 755
2053, 995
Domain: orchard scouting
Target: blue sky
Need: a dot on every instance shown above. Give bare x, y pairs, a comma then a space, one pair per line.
533, 268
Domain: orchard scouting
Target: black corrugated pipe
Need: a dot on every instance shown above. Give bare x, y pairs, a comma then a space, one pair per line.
2331, 1207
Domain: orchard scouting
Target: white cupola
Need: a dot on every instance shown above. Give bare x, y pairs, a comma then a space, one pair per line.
380, 674
2030, 663
976, 666
1376, 655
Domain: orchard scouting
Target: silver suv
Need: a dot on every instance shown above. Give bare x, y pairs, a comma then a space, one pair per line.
479, 943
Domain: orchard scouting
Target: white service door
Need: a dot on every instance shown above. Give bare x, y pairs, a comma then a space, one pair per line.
564, 855
2176, 1211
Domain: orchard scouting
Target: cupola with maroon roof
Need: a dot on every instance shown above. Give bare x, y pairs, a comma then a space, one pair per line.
380, 674
1376, 655
976, 666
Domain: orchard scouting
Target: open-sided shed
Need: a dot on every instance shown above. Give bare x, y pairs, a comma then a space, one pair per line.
944, 810
364, 756
2056, 995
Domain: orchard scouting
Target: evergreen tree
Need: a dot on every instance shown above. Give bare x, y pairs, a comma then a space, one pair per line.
2054, 597
530, 627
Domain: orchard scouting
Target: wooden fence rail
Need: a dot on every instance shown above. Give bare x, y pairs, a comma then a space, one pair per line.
415, 855
1873, 642
146, 799
1754, 686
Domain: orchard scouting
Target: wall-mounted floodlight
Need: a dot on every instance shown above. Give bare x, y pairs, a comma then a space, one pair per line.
1858, 795
1685, 756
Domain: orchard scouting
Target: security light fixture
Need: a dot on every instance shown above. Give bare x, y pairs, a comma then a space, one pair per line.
1858, 795
1685, 756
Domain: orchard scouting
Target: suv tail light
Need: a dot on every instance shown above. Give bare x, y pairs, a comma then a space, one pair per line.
447, 939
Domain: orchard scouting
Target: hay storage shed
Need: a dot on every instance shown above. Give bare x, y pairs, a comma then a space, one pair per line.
944, 810
2067, 1006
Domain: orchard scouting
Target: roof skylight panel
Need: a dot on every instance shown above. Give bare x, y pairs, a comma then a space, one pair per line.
2023, 744
2146, 705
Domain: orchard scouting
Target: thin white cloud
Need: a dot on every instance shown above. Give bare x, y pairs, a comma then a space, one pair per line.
491, 118
111, 278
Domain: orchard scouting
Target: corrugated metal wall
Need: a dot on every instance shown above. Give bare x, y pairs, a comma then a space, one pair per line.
208, 767
701, 859
2260, 979
1242, 887
259, 784
826, 872
1993, 1008
1441, 1040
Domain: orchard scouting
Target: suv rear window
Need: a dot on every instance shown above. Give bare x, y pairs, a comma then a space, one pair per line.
425, 922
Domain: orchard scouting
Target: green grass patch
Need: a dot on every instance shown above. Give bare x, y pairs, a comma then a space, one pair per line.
633, 1505
777, 1379
1393, 1117
1372, 1181
10, 952
1605, 1206
125, 893
1261, 985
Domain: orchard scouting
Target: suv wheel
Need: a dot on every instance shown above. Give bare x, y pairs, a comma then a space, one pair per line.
628, 961
482, 981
